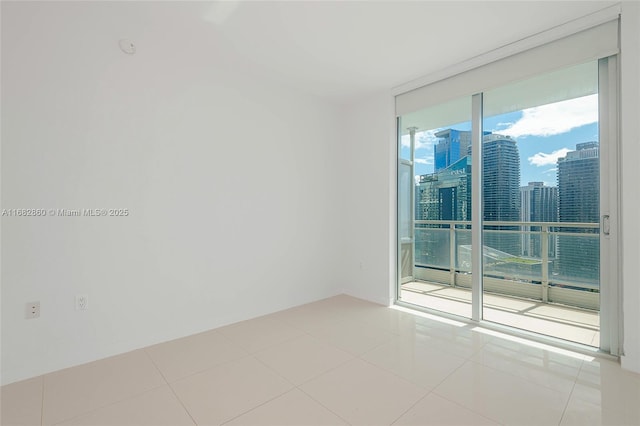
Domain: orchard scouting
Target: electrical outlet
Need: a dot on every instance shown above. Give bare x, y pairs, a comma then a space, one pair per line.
82, 302
32, 310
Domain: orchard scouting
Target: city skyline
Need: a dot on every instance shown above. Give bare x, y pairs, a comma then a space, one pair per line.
543, 135
445, 195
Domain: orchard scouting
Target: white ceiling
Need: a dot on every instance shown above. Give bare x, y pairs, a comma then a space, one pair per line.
335, 49
345, 49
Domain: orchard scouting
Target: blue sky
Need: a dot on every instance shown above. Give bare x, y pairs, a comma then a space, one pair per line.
543, 134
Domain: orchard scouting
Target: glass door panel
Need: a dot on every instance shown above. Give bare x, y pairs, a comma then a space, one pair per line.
541, 205
512, 235
434, 207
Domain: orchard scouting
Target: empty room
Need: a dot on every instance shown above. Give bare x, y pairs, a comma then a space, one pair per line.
320, 213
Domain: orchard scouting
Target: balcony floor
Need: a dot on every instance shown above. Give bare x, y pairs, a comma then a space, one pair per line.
573, 324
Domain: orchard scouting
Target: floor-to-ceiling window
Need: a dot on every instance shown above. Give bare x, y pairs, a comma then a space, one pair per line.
501, 217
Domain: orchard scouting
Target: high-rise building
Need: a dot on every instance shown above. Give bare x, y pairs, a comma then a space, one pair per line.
444, 195
501, 192
579, 184
579, 201
538, 203
452, 145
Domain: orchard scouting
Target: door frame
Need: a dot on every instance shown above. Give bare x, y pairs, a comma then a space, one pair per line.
611, 327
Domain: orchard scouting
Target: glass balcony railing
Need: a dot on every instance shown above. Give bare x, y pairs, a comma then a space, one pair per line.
548, 261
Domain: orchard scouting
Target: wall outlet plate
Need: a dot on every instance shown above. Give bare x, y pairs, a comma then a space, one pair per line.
32, 310
82, 302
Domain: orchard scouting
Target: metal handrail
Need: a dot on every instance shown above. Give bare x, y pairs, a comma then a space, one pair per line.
545, 229
592, 225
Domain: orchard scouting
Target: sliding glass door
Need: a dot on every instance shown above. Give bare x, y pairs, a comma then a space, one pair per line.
541, 197
501, 217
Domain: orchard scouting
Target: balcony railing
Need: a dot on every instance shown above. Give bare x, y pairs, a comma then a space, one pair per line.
546, 261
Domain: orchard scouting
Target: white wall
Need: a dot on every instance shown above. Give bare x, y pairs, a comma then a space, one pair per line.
371, 233
229, 179
369, 205
630, 137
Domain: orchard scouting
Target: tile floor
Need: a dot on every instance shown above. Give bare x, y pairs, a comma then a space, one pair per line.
573, 324
338, 361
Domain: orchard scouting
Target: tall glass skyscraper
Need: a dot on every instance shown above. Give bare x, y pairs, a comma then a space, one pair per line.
446, 194
538, 203
452, 145
501, 192
579, 201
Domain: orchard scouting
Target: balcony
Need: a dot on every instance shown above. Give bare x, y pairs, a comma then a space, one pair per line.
538, 276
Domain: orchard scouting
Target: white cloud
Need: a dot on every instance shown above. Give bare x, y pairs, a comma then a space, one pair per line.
507, 124
552, 170
556, 118
424, 140
405, 141
541, 159
424, 160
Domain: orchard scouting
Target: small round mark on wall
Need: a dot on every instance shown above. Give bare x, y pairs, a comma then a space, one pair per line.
127, 46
